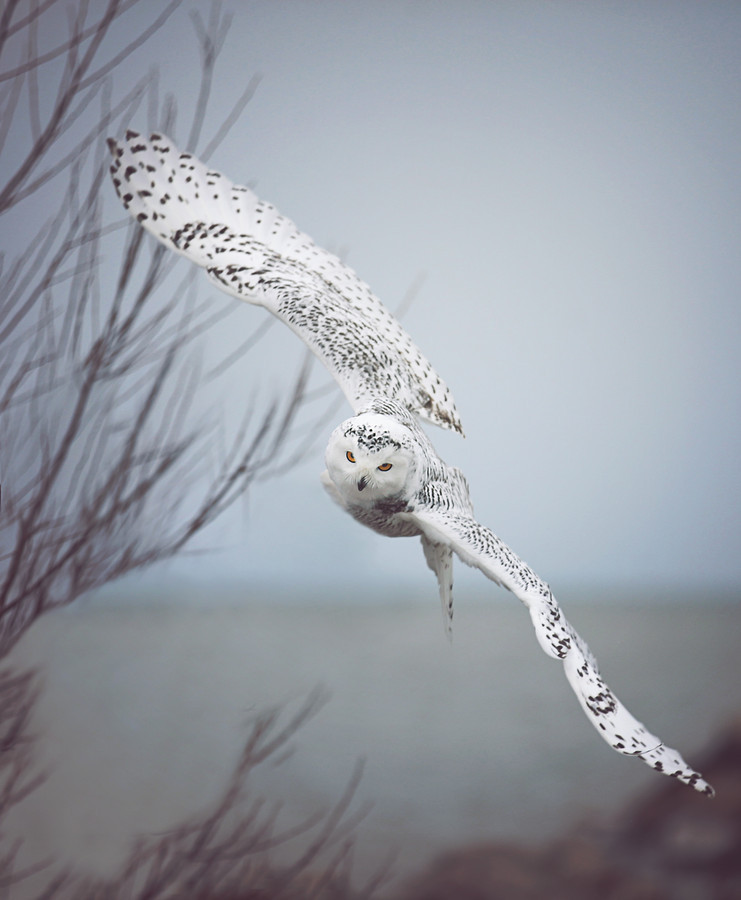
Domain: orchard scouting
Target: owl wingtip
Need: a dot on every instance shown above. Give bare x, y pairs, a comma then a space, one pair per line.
448, 420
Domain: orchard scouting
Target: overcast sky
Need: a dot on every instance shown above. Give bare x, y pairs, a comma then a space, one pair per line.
565, 178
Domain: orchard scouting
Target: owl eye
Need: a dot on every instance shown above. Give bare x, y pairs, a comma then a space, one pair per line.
384, 467
350, 457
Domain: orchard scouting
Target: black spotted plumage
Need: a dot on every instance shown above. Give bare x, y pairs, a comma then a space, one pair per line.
252, 252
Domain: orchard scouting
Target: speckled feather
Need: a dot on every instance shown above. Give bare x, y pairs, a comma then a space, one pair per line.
252, 252
436, 505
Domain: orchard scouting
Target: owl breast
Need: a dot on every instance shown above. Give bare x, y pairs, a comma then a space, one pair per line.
384, 518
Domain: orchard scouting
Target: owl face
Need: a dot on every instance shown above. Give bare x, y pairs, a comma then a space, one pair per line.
370, 458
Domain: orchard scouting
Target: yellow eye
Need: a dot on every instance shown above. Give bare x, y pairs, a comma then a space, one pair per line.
350, 457
385, 467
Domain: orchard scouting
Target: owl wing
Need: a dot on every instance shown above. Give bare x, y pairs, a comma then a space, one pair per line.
478, 546
252, 252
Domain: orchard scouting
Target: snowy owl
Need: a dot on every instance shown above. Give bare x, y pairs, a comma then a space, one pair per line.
381, 467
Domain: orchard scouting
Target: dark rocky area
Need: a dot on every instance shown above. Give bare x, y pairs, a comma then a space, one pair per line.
670, 844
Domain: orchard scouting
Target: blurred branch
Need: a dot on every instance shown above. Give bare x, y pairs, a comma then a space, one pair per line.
79, 85
93, 410
68, 91
18, 693
99, 450
226, 853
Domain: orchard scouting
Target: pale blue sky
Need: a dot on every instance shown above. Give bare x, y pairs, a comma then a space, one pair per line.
566, 178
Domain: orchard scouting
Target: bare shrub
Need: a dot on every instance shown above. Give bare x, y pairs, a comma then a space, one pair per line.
97, 437
95, 385
226, 854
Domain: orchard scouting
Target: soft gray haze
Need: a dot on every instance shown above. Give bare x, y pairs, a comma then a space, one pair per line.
560, 182
144, 714
565, 176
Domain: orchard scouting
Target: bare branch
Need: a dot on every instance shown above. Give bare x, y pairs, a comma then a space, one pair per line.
68, 91
144, 36
98, 438
210, 41
129, 102
226, 853
231, 118
79, 37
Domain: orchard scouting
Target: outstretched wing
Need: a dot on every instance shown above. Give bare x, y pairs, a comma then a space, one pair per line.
257, 255
478, 546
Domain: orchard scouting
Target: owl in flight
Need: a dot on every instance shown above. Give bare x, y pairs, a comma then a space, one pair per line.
381, 466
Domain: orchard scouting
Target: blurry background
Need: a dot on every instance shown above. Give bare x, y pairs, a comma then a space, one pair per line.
566, 180
558, 186
564, 177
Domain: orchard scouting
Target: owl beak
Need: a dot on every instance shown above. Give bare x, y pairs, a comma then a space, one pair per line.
362, 483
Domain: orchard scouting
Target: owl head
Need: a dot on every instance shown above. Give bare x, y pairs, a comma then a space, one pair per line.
371, 457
